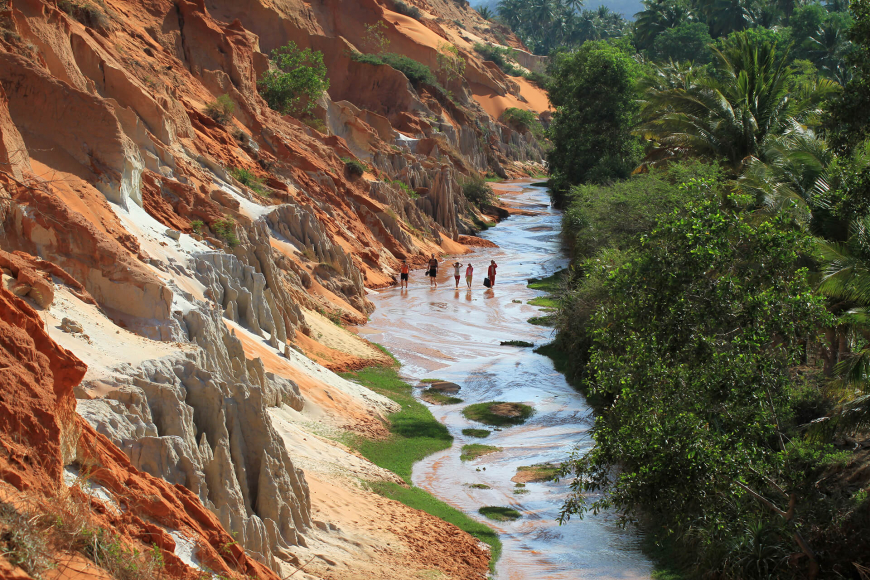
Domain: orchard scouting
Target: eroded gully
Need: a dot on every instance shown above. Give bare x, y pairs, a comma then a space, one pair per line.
454, 335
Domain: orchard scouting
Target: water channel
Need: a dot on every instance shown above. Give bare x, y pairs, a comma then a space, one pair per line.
454, 335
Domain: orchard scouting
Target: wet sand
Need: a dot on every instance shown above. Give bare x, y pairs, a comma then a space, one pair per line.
454, 335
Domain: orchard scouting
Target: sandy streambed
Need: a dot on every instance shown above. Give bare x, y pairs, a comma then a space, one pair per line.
454, 335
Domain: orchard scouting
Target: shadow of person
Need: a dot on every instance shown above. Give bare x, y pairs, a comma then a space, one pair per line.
468, 295
490, 293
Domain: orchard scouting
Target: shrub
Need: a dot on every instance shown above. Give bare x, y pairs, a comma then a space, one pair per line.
196, 226
450, 62
221, 109
523, 120
226, 230
499, 56
296, 82
417, 72
248, 179
542, 80
407, 9
478, 191
354, 168
316, 124
92, 14
405, 188
374, 37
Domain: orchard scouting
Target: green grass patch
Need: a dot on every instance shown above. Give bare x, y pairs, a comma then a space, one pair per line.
475, 450
493, 179
418, 499
549, 284
436, 398
545, 301
516, 343
428, 381
538, 472
498, 413
415, 433
482, 225
499, 513
542, 320
478, 486
479, 433
520, 491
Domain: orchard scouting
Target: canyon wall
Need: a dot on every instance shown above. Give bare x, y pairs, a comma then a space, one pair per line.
182, 280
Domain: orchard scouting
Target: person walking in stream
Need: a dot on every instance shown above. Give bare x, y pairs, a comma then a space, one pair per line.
432, 272
457, 273
469, 272
491, 273
403, 280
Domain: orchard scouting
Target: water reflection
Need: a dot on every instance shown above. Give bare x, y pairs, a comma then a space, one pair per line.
454, 335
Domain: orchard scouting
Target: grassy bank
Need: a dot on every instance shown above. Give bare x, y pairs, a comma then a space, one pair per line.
415, 434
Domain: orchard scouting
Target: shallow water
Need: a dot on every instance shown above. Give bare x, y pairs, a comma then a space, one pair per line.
454, 335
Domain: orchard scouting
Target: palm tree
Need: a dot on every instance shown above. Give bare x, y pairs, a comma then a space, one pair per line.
511, 11
485, 12
732, 115
659, 16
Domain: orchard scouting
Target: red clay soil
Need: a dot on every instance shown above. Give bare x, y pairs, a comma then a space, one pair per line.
476, 242
40, 433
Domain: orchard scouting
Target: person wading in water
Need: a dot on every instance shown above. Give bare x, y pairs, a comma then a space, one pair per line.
469, 272
491, 273
433, 272
403, 281
457, 273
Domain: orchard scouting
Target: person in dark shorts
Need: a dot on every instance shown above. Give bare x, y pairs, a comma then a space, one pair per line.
433, 272
403, 280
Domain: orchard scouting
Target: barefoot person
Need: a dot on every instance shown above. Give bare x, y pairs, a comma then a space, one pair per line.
491, 273
469, 272
433, 272
403, 281
457, 273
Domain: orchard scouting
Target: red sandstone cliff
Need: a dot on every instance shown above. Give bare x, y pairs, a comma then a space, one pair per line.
199, 305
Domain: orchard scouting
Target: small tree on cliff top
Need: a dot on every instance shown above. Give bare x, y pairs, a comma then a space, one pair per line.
297, 80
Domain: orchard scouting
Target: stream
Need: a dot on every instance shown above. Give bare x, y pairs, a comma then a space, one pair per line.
454, 335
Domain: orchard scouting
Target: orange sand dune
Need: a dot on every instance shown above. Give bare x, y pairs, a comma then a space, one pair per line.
495, 104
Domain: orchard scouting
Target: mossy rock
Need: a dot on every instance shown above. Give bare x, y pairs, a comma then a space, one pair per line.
498, 413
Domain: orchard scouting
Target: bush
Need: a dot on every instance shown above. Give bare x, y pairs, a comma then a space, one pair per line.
298, 80
196, 226
221, 109
353, 167
248, 179
499, 56
225, 229
407, 10
92, 14
418, 73
523, 120
478, 191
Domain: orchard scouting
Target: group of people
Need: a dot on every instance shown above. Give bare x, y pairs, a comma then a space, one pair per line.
432, 273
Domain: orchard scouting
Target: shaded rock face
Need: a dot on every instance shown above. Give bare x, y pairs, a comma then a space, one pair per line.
39, 420
199, 420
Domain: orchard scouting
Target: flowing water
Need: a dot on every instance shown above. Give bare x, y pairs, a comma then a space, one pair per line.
454, 335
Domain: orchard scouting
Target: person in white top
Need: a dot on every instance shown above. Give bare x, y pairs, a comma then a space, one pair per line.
456, 273
469, 272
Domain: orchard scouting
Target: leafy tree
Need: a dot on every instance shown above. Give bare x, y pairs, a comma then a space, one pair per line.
690, 360
689, 41
594, 91
450, 63
374, 38
297, 80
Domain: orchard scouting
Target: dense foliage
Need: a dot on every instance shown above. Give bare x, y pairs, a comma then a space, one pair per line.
594, 92
714, 165
295, 81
